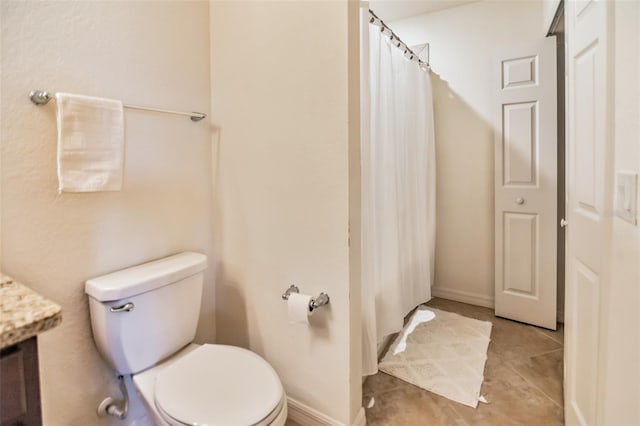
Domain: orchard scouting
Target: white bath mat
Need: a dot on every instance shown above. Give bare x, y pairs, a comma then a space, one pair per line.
441, 352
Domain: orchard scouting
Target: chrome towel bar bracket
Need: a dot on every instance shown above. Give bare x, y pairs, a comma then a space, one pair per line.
39, 97
320, 300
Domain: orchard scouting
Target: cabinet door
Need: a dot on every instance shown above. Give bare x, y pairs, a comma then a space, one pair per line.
14, 399
20, 385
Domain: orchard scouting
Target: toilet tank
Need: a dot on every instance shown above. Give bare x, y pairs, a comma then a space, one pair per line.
143, 314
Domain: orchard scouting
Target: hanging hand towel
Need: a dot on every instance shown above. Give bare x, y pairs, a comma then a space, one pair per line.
90, 143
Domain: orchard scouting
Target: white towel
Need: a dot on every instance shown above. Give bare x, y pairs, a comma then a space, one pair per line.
90, 143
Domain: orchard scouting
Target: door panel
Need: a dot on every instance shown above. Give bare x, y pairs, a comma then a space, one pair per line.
585, 317
589, 183
526, 183
585, 114
520, 72
521, 248
520, 145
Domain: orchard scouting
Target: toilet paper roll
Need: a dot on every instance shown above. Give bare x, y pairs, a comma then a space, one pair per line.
298, 307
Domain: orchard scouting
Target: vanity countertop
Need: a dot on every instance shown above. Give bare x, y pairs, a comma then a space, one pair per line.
24, 313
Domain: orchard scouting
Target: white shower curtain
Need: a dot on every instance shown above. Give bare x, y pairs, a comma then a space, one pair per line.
398, 190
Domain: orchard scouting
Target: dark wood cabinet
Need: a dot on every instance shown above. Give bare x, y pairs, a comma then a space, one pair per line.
20, 385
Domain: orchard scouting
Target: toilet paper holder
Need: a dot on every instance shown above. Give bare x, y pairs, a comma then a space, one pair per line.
320, 300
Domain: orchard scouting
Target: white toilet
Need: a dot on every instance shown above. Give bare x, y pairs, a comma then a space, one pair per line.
144, 319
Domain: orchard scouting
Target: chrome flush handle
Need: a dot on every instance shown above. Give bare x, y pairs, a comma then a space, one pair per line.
127, 307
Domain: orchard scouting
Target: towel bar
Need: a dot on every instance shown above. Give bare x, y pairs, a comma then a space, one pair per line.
41, 97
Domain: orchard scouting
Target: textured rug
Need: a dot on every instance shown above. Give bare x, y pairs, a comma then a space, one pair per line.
441, 352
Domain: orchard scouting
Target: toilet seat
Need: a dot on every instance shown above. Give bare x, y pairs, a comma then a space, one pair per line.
219, 385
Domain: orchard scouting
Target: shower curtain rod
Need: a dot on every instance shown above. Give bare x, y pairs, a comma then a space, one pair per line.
410, 54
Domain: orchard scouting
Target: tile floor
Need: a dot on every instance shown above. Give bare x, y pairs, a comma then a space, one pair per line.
523, 381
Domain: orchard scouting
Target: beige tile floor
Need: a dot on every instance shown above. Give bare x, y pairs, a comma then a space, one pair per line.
523, 381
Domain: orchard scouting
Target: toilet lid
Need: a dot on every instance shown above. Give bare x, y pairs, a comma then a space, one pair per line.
218, 385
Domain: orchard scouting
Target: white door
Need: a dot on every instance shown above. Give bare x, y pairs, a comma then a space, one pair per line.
526, 183
588, 195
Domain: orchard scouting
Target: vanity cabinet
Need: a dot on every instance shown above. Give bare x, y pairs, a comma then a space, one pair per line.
25, 314
20, 385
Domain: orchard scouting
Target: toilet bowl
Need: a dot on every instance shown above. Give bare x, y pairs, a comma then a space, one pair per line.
144, 320
213, 385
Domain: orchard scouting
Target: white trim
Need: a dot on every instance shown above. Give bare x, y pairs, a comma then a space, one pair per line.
307, 416
361, 419
463, 296
473, 299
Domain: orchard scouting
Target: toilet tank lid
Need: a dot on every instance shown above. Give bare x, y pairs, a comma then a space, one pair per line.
145, 277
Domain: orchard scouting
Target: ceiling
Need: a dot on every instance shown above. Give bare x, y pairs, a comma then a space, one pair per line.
389, 10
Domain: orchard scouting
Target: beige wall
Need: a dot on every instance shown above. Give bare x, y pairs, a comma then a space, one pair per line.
280, 101
461, 41
149, 53
621, 387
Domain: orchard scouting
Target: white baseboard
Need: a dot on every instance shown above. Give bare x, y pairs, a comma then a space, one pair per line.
307, 416
360, 420
463, 296
473, 299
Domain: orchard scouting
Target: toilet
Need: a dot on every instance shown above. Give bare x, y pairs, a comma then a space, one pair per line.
144, 321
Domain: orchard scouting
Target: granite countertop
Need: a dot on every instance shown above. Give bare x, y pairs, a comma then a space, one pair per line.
24, 313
